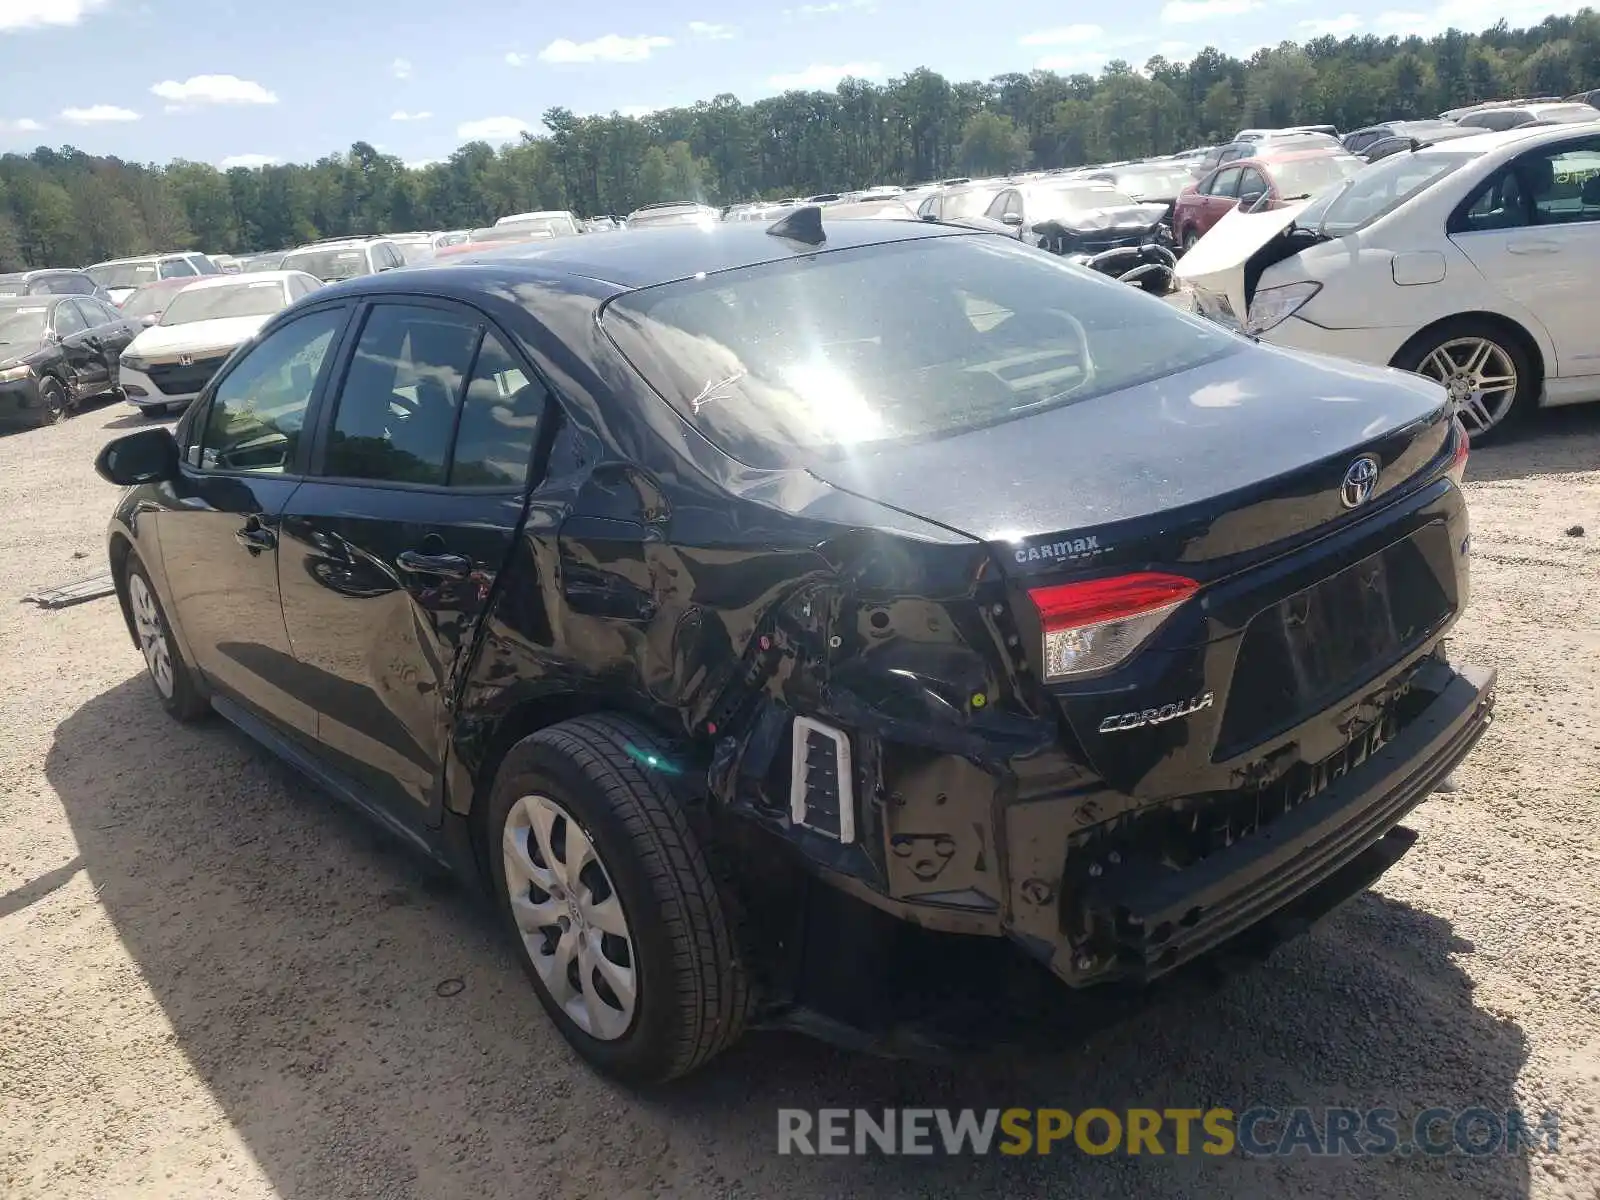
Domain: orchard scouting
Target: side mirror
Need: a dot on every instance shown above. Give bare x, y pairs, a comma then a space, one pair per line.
1250, 199
1013, 219
52, 338
149, 456
150, 320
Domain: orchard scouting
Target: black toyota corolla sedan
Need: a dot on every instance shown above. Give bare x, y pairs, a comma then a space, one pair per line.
741, 606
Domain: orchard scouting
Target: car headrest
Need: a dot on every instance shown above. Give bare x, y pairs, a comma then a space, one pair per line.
1590, 196
1538, 176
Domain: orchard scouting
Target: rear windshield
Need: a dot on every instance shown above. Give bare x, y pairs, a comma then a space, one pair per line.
231, 300
1161, 185
679, 216
328, 265
123, 275
1379, 190
555, 226
808, 358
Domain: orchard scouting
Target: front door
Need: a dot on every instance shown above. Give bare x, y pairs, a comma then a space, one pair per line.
84, 364
391, 549
1533, 230
243, 454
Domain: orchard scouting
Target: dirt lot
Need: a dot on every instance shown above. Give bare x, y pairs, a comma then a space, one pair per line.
216, 983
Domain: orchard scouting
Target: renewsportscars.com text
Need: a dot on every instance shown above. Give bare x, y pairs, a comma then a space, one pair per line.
1257, 1132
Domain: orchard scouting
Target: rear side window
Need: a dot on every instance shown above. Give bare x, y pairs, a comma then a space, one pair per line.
499, 421
259, 408
397, 408
804, 359
68, 320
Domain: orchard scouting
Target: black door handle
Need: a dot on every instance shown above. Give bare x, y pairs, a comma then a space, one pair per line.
254, 537
445, 566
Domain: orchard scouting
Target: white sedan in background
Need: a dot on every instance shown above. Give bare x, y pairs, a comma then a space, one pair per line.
1475, 262
166, 366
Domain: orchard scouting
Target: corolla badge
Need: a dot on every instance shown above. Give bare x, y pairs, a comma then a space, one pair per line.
1360, 478
1123, 722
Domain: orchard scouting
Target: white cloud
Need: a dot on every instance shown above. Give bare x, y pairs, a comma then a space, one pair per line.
252, 161
32, 14
1394, 22
1065, 35
820, 76
400, 68
493, 129
1333, 26
516, 59
21, 125
833, 6
213, 89
419, 163
610, 48
98, 114
638, 110
1174, 49
1474, 15
1180, 12
401, 114
711, 31
1082, 62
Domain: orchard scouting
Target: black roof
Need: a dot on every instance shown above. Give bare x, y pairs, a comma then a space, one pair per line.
642, 258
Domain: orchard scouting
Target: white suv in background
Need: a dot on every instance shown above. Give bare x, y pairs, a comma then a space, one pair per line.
166, 366
120, 277
1472, 262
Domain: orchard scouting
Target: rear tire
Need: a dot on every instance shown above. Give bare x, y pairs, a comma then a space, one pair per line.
609, 898
1486, 370
164, 665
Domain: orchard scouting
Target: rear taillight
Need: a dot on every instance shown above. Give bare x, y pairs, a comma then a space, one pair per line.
1094, 625
1458, 459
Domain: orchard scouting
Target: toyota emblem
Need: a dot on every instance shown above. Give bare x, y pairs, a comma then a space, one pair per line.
1360, 478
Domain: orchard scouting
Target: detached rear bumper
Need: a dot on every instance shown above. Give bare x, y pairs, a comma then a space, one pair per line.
1312, 857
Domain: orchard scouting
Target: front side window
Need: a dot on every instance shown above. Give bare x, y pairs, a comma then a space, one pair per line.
259, 408
68, 320
397, 407
1226, 183
807, 359
1501, 202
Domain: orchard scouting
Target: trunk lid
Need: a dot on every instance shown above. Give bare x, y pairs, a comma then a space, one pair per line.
1223, 266
1252, 446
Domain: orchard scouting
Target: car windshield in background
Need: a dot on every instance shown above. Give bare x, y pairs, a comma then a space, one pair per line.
968, 204
809, 358
555, 226
1064, 199
1379, 189
148, 300
1163, 185
123, 275
509, 233
1308, 176
415, 252
217, 303
1565, 113
677, 216
22, 326
328, 265
272, 262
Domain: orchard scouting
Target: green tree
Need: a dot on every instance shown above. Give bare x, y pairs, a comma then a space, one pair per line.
991, 144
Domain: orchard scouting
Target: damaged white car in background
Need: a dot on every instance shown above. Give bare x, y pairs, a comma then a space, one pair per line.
1475, 262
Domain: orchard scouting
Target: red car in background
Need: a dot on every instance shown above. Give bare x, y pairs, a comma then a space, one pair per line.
1266, 181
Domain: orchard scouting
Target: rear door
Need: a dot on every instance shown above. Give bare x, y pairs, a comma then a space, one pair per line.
1533, 230
1222, 198
392, 549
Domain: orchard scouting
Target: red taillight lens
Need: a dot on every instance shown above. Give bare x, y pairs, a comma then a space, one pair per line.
1096, 624
1458, 461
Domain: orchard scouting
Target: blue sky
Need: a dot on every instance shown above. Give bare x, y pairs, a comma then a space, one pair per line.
240, 81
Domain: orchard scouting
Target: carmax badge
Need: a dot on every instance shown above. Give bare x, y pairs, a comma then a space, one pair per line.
1156, 716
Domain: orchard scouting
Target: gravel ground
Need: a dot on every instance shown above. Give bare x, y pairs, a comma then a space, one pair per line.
217, 983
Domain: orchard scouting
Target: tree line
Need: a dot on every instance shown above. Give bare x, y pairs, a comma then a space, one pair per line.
63, 207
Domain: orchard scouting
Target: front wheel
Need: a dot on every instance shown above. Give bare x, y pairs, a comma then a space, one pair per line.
1485, 372
53, 401
609, 896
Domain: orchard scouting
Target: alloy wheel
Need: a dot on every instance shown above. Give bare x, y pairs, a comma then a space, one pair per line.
570, 917
1480, 377
152, 634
